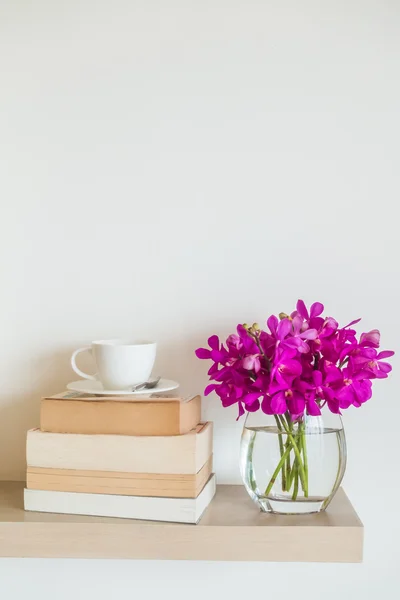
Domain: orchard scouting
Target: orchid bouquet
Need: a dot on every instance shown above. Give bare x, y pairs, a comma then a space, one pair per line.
301, 364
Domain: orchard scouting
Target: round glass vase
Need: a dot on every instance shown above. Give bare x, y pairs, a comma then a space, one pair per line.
292, 467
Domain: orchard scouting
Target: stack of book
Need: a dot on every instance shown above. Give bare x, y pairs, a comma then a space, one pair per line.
142, 458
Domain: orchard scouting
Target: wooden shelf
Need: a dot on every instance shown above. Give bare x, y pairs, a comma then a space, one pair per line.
231, 529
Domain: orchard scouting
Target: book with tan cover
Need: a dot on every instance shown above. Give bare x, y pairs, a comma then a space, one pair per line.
143, 416
176, 454
119, 483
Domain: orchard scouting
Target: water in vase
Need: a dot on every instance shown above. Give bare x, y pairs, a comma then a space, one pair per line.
285, 489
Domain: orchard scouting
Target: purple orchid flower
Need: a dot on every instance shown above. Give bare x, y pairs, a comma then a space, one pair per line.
370, 363
251, 362
262, 383
363, 352
234, 344
324, 391
290, 400
370, 339
286, 368
315, 310
329, 327
216, 353
293, 333
301, 364
355, 390
273, 323
248, 343
300, 334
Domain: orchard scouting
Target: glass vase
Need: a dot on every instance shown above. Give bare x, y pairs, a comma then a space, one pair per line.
292, 467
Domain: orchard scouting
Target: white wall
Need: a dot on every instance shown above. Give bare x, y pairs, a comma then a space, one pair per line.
169, 169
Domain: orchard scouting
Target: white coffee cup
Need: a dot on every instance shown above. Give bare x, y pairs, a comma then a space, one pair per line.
120, 364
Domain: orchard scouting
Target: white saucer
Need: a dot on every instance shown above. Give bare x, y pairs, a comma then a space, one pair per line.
89, 386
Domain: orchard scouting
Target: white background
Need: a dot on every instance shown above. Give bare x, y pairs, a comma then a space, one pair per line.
169, 169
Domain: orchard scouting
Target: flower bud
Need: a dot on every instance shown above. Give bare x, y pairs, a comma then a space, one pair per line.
256, 327
283, 315
246, 326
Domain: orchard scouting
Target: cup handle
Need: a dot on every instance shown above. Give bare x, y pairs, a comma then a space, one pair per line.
75, 368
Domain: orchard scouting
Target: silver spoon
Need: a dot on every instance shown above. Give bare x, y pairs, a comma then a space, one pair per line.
147, 385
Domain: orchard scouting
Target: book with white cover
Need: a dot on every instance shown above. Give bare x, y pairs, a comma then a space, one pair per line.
177, 510
180, 454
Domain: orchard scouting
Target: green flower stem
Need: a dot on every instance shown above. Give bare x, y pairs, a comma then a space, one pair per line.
297, 472
288, 466
298, 457
293, 469
281, 450
296, 480
305, 457
288, 470
276, 472
291, 476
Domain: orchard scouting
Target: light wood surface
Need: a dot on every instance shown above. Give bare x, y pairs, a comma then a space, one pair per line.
112, 482
231, 529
